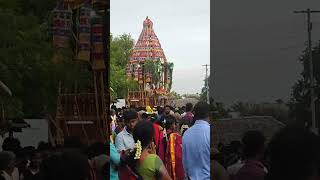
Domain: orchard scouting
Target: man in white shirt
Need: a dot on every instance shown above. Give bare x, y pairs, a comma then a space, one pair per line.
189, 108
124, 139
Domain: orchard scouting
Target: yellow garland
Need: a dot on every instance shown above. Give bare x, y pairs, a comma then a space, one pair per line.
138, 150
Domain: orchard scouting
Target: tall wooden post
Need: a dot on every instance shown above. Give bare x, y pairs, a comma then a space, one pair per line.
101, 78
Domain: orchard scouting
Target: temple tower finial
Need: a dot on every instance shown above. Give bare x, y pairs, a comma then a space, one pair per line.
148, 45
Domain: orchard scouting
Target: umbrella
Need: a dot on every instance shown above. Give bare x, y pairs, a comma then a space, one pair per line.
5, 88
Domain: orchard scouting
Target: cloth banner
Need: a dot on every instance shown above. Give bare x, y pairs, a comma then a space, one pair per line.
84, 34
97, 43
62, 22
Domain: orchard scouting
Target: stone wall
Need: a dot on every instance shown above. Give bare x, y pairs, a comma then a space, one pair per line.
183, 102
227, 130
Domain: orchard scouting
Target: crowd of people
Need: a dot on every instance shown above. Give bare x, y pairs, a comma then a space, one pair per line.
73, 161
166, 143
160, 143
145, 143
292, 153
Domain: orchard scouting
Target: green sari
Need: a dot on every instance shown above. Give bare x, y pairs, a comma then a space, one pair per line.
151, 167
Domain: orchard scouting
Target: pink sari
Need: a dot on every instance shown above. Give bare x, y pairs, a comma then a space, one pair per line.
159, 141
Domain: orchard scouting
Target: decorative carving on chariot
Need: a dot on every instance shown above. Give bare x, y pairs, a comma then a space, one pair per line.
148, 66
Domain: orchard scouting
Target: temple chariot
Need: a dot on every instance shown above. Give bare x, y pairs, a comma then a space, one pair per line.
149, 68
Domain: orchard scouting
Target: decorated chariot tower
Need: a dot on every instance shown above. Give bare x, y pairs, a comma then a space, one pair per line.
149, 68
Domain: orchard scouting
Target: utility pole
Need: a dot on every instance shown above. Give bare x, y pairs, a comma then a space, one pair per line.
312, 103
207, 82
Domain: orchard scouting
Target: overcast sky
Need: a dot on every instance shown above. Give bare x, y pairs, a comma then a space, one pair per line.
183, 28
256, 45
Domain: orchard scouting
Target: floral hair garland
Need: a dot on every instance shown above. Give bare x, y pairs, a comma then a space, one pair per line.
138, 150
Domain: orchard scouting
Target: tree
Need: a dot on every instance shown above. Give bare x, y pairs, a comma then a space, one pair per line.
120, 50
175, 95
195, 96
25, 51
219, 110
26, 65
299, 103
203, 95
121, 47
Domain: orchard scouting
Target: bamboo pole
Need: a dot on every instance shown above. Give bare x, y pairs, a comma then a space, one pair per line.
97, 99
103, 104
79, 116
64, 120
143, 86
2, 109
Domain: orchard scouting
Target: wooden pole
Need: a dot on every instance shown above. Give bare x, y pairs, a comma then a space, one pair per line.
97, 99
165, 75
103, 106
64, 120
144, 86
2, 114
79, 116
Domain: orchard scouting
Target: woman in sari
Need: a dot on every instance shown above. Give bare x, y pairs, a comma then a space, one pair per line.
143, 160
174, 150
159, 141
159, 138
114, 162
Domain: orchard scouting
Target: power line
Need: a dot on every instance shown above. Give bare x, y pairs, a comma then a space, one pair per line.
309, 27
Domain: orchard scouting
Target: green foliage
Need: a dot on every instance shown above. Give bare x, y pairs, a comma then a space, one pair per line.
203, 95
170, 68
12, 106
219, 110
175, 95
300, 96
195, 96
120, 50
153, 67
26, 65
24, 59
36, 8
